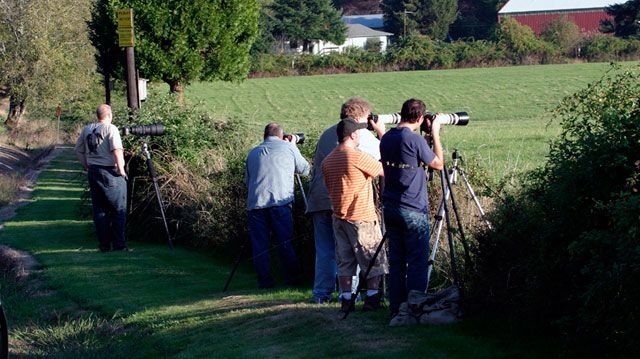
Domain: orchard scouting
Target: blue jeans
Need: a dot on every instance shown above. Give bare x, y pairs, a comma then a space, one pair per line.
262, 222
408, 235
324, 283
109, 202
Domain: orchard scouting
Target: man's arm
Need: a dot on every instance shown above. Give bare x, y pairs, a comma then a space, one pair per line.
438, 161
378, 127
83, 160
118, 156
302, 166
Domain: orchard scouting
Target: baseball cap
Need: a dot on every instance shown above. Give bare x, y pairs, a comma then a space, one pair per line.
348, 126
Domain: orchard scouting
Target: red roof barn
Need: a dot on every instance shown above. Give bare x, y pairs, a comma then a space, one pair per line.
537, 14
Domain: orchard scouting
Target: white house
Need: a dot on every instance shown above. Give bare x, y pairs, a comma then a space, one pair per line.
357, 36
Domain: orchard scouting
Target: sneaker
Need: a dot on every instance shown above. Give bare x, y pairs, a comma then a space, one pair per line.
372, 302
345, 305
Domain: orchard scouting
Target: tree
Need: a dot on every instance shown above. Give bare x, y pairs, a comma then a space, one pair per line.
476, 19
307, 21
427, 17
181, 41
563, 33
626, 20
103, 36
45, 56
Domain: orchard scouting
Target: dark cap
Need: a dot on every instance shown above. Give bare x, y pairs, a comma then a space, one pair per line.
348, 126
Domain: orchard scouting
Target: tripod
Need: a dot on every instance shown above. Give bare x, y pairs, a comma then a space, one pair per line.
154, 178
447, 178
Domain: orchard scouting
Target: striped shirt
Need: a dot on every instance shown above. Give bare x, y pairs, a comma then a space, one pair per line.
348, 173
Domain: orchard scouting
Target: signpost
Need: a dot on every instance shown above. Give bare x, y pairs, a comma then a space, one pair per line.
126, 39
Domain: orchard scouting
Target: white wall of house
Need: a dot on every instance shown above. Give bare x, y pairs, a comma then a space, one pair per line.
323, 47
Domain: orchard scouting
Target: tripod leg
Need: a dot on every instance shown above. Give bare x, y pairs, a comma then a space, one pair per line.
475, 199
438, 225
154, 178
352, 302
235, 265
454, 268
304, 196
467, 257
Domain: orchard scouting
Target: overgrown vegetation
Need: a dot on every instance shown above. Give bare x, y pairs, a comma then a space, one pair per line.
564, 254
513, 44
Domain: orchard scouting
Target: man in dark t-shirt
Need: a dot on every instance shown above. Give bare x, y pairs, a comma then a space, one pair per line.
404, 155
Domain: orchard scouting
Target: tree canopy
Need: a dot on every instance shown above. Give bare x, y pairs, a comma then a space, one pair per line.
45, 56
427, 17
626, 20
306, 21
182, 41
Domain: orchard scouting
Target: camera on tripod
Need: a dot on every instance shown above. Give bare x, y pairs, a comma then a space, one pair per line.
456, 118
156, 129
297, 138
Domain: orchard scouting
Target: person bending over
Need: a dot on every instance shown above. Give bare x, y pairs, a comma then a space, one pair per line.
270, 168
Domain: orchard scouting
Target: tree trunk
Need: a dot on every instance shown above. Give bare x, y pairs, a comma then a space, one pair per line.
107, 89
176, 87
16, 110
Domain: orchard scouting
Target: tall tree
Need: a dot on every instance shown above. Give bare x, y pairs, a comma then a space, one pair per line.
307, 21
181, 41
427, 17
103, 36
626, 20
476, 18
45, 56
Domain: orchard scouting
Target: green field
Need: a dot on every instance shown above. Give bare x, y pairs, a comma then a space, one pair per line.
509, 106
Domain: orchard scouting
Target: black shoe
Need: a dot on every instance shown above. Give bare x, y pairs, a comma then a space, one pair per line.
372, 302
345, 306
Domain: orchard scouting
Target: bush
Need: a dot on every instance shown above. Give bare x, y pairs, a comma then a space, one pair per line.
200, 163
565, 249
413, 53
519, 42
564, 34
603, 48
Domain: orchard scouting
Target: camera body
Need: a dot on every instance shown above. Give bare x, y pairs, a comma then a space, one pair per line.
297, 138
156, 129
392, 118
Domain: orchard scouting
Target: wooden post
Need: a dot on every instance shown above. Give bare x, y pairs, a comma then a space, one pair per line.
126, 40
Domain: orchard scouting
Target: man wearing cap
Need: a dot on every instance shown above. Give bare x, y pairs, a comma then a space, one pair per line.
318, 201
405, 156
348, 173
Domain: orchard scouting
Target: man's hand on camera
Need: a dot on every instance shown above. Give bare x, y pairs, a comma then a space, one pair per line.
378, 127
435, 127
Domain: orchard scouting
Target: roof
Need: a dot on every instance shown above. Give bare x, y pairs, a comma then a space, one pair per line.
374, 21
518, 6
357, 30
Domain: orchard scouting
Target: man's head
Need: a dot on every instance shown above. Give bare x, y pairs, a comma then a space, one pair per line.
355, 108
103, 113
273, 129
347, 129
412, 111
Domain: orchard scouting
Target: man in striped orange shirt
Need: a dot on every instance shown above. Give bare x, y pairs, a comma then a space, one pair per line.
348, 174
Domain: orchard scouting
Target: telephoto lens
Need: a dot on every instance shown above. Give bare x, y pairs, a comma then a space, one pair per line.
392, 118
456, 118
157, 129
297, 138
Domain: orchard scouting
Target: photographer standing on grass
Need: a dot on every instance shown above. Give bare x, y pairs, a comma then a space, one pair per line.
270, 168
348, 174
319, 203
405, 154
99, 149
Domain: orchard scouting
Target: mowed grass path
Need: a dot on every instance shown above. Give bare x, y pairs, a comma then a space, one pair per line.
509, 106
166, 303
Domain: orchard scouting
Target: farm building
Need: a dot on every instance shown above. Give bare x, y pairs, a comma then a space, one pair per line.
587, 14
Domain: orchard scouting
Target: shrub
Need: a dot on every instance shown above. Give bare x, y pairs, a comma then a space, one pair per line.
602, 48
413, 53
519, 41
564, 34
565, 249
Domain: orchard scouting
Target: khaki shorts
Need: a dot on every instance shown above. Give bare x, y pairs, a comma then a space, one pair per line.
356, 243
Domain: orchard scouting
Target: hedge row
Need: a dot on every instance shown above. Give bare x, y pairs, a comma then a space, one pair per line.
422, 53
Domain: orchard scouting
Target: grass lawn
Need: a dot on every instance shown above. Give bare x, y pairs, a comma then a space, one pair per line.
509, 106
154, 302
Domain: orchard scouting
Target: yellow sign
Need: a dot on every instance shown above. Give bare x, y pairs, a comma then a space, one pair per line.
125, 19
125, 27
125, 38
